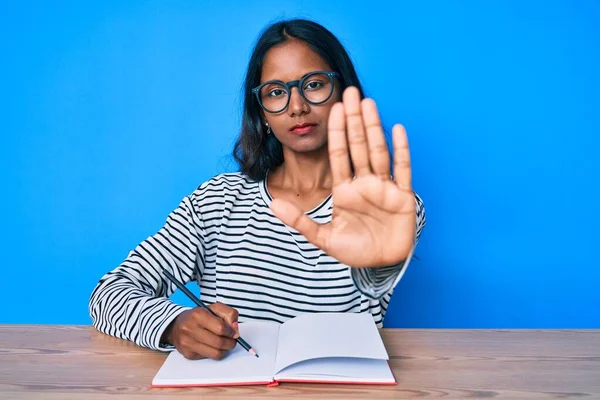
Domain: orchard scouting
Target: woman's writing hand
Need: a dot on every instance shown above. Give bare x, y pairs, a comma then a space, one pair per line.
196, 333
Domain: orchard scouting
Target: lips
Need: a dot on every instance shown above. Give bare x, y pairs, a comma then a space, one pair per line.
303, 129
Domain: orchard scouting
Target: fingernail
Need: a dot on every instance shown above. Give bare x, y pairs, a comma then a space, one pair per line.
236, 326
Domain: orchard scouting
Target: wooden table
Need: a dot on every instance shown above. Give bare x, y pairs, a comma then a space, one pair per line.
77, 362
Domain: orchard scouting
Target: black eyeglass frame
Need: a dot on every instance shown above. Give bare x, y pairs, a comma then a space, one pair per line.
297, 83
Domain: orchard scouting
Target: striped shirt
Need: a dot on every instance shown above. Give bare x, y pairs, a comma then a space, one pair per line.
225, 237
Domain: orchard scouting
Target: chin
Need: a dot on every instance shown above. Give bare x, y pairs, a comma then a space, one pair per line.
309, 146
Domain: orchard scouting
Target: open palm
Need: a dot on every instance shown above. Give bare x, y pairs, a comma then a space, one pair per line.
373, 221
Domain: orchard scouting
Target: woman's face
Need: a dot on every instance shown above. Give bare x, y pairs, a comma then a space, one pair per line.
301, 127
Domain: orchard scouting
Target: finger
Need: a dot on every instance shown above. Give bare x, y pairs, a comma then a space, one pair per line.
203, 335
200, 333
195, 350
292, 216
402, 170
338, 145
379, 155
191, 355
230, 315
357, 140
214, 324
189, 347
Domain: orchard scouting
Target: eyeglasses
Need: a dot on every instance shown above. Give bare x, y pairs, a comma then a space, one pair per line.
315, 87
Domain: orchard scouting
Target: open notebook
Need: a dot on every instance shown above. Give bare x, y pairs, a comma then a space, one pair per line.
321, 347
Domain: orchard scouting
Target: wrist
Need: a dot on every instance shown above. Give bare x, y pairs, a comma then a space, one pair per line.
166, 337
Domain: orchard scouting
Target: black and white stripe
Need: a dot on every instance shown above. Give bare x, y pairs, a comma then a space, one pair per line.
225, 237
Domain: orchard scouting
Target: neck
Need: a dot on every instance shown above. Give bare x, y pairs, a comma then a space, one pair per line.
304, 172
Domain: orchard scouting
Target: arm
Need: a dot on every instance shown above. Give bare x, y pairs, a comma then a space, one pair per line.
131, 302
377, 282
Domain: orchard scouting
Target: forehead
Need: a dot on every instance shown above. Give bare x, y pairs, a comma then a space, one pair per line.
291, 60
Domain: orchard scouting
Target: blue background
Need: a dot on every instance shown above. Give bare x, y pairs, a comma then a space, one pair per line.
112, 112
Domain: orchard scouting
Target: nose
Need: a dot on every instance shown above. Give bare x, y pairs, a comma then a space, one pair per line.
298, 105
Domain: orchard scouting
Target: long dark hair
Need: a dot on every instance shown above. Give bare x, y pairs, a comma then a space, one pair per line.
255, 151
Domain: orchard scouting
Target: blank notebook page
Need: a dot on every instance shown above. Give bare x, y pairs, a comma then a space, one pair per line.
238, 366
307, 337
340, 370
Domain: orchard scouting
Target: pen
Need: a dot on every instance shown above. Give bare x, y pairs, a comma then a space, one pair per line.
199, 303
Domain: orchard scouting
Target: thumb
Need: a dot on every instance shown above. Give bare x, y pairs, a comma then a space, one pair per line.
229, 315
236, 326
292, 216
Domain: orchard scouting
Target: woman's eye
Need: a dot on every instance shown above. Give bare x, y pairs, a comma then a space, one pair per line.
276, 93
313, 85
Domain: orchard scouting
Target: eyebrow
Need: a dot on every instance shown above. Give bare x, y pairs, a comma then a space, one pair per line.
300, 78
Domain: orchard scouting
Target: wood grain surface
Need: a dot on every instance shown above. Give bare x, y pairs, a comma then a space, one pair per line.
77, 362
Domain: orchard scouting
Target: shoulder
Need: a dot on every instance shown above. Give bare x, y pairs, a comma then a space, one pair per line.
225, 183
228, 180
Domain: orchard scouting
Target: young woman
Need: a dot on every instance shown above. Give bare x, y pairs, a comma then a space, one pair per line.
313, 222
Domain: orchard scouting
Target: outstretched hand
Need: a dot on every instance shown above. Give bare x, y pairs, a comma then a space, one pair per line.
373, 221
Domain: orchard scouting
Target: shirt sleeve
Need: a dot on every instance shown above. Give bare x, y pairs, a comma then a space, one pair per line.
132, 301
378, 283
